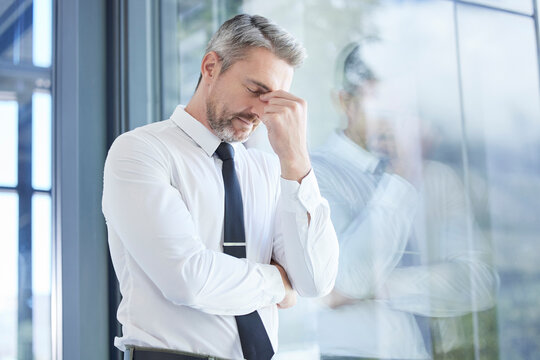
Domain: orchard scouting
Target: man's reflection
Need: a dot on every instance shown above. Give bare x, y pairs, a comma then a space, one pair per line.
409, 249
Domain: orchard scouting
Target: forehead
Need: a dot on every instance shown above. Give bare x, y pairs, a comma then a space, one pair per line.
262, 66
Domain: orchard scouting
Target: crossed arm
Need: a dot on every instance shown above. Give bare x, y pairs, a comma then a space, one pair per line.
157, 231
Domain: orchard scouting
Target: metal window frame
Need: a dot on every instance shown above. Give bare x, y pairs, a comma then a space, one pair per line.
79, 311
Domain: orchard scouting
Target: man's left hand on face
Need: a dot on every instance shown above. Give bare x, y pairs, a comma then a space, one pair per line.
285, 117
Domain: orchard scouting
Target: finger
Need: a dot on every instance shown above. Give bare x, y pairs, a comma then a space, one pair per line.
275, 109
279, 94
269, 117
281, 101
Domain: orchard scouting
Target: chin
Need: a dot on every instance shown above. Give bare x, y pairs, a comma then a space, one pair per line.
242, 134
241, 138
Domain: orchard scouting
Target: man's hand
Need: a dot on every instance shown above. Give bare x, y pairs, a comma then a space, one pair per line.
290, 294
383, 141
285, 117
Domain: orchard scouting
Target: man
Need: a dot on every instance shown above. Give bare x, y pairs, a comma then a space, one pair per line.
409, 250
173, 194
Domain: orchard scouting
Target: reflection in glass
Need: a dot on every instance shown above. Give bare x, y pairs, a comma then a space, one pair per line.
475, 175
9, 236
41, 275
42, 33
41, 141
413, 262
8, 143
197, 21
502, 112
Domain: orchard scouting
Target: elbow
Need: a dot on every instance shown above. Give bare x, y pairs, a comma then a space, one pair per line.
316, 290
326, 273
325, 288
486, 286
187, 287
181, 294
322, 284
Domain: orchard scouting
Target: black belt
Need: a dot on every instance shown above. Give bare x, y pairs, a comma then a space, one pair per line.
141, 353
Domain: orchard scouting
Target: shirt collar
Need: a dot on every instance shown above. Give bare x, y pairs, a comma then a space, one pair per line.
197, 131
363, 159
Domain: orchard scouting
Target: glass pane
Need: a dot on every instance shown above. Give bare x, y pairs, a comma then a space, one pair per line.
16, 20
193, 22
9, 235
387, 93
429, 286
41, 275
42, 33
25, 124
8, 143
41, 141
502, 111
524, 6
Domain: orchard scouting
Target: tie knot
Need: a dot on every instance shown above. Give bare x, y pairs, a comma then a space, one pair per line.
225, 151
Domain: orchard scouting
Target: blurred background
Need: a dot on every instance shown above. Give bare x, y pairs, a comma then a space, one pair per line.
458, 82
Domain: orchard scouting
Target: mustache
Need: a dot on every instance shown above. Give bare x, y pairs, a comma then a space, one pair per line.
245, 116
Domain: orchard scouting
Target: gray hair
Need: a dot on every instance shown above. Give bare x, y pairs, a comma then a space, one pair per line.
352, 72
237, 35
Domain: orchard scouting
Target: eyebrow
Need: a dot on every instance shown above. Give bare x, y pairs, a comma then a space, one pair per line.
260, 84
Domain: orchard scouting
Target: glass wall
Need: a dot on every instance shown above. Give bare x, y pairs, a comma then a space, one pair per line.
25, 179
424, 131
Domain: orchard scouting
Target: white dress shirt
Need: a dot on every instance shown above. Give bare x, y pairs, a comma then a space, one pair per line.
403, 252
163, 200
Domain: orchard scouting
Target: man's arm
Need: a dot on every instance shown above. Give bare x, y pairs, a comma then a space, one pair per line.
305, 243
459, 278
372, 244
290, 294
157, 232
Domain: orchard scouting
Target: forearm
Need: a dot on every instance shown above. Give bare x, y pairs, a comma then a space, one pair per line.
305, 242
188, 274
452, 288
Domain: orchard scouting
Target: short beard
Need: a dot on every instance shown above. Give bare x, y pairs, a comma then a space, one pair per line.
222, 123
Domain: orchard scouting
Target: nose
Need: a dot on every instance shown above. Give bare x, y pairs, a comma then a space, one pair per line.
257, 107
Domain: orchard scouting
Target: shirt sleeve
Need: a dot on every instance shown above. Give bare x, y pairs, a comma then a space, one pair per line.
372, 244
156, 229
307, 248
458, 277
452, 288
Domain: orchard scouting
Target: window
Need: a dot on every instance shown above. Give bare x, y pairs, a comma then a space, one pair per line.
447, 98
25, 180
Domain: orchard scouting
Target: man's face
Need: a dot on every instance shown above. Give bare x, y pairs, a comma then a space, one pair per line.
233, 106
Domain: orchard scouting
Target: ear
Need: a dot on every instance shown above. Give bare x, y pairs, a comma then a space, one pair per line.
342, 100
337, 99
210, 67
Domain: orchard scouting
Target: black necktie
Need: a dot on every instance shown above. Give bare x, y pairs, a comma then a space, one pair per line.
253, 337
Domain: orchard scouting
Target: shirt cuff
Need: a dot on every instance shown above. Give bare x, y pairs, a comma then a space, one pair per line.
274, 283
307, 192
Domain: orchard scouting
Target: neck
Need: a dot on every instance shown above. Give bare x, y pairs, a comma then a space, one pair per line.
358, 137
196, 107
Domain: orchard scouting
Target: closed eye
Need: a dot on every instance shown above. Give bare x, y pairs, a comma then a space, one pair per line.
255, 92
